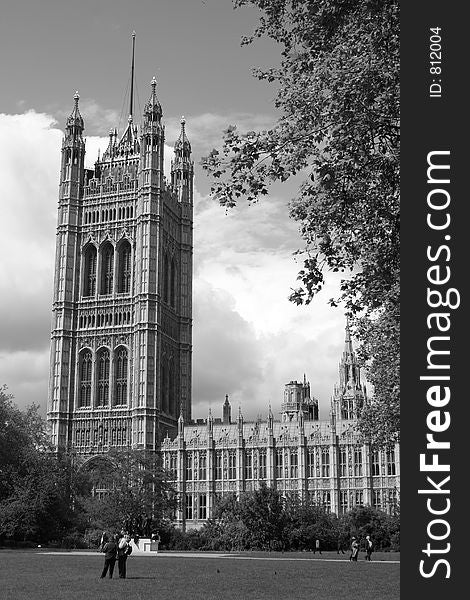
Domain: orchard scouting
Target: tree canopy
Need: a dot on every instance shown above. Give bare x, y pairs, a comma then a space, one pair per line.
338, 103
45, 496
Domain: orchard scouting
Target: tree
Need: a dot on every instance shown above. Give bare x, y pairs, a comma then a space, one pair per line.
136, 487
34, 485
338, 99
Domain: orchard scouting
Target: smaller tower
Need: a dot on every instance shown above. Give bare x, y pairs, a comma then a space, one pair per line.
349, 393
227, 411
297, 399
182, 167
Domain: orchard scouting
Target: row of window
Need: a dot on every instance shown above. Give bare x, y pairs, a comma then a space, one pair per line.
286, 464
88, 320
102, 265
108, 214
100, 436
195, 506
381, 499
102, 393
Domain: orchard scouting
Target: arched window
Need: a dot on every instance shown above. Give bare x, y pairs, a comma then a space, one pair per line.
85, 370
107, 269
124, 275
89, 283
121, 368
171, 389
165, 278
102, 395
165, 386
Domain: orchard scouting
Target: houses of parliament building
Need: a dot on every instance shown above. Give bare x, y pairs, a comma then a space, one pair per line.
120, 369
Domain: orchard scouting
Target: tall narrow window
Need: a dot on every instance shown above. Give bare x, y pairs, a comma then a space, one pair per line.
325, 461
375, 462
165, 386
189, 466
376, 499
86, 365
172, 283
262, 464
343, 462
391, 462
311, 462
358, 462
218, 465
202, 514
125, 268
189, 506
102, 395
121, 363
89, 282
202, 466
294, 464
248, 465
279, 463
171, 389
232, 465
165, 278
107, 269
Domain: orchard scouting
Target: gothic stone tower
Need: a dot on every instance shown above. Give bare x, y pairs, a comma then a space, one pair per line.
349, 394
120, 371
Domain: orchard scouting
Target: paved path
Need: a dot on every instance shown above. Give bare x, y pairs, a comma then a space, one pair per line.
219, 555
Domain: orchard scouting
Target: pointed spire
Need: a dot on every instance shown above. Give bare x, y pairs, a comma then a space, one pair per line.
348, 342
153, 109
181, 420
182, 145
226, 411
132, 78
74, 123
270, 417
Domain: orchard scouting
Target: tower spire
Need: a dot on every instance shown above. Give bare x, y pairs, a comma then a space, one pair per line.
132, 77
347, 341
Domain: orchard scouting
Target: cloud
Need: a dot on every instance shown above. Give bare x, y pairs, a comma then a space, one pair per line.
98, 120
205, 130
249, 340
30, 162
243, 264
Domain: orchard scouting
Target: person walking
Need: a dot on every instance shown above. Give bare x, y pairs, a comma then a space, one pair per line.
339, 546
354, 550
110, 550
369, 547
124, 550
317, 547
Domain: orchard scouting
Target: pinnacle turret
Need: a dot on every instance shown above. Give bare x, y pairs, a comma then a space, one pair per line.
75, 125
153, 110
182, 144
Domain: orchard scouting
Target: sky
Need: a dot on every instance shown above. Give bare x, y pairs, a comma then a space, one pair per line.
248, 339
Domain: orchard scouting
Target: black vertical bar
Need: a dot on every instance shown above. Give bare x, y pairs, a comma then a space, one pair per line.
132, 76
434, 115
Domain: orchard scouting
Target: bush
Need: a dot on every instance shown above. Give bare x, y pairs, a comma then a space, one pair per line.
74, 540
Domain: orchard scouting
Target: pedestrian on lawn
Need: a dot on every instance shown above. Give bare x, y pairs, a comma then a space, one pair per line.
354, 550
124, 550
110, 550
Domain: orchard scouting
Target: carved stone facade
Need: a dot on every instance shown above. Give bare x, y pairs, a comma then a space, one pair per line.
120, 370
327, 462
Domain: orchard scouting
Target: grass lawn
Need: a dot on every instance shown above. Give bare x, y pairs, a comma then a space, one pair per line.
37, 575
